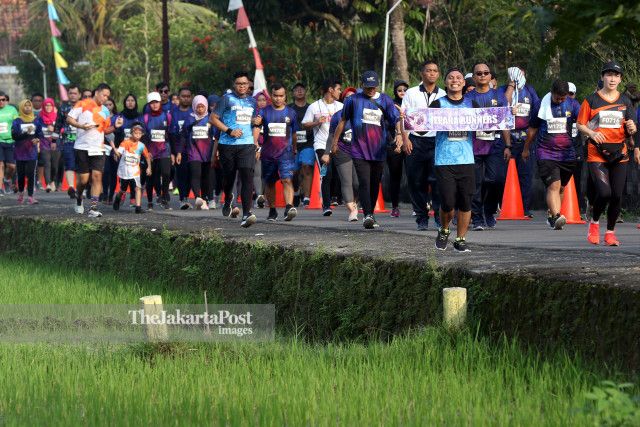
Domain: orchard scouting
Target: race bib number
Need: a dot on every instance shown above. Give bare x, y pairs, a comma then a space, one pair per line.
610, 119
372, 117
278, 129
131, 159
485, 136
457, 135
523, 110
96, 151
347, 136
127, 133
47, 133
200, 132
29, 129
157, 135
243, 115
301, 136
557, 125
574, 131
4, 127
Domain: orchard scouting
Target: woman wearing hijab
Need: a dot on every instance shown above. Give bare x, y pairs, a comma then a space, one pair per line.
49, 156
395, 159
262, 100
27, 134
130, 115
197, 134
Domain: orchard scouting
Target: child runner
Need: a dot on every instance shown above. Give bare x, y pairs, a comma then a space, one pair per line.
129, 154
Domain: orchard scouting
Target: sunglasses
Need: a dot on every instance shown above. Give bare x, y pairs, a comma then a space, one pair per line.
572, 93
482, 73
164, 91
3, 99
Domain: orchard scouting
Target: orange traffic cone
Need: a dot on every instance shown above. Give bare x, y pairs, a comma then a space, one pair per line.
570, 207
280, 202
512, 208
315, 201
380, 203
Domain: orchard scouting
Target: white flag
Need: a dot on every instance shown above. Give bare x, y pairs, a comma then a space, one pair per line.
234, 4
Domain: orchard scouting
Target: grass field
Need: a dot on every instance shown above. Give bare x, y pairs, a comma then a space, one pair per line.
425, 378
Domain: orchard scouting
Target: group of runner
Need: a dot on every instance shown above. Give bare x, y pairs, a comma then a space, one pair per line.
239, 144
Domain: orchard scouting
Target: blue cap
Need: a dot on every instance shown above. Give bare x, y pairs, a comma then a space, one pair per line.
370, 79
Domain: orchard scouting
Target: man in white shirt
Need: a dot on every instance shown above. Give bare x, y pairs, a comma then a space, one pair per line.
91, 118
420, 147
318, 118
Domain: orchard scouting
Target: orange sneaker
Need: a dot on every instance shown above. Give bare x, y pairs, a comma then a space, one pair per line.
594, 233
610, 239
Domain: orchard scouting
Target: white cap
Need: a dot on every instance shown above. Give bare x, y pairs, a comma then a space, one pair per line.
572, 87
154, 96
468, 75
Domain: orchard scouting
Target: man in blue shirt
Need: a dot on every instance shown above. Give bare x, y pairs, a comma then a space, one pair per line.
234, 117
455, 166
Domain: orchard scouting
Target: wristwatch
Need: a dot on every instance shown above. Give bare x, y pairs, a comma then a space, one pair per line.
228, 131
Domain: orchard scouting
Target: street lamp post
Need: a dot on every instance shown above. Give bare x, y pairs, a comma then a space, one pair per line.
44, 70
386, 45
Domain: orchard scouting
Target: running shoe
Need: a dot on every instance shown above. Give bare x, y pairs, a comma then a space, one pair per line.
79, 209
20, 198
71, 192
165, 206
443, 239
212, 204
327, 212
185, 205
353, 217
139, 210
375, 223
306, 201
395, 213
610, 238
559, 222
423, 224
273, 215
290, 214
368, 222
551, 221
334, 201
235, 212
528, 214
593, 236
477, 226
48, 188
226, 209
620, 220
248, 220
149, 206
199, 203
490, 220
460, 245
2, 192
260, 201
94, 213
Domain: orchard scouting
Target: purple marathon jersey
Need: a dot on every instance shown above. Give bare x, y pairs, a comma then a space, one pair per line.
279, 127
344, 141
554, 140
198, 135
483, 141
156, 129
528, 100
369, 119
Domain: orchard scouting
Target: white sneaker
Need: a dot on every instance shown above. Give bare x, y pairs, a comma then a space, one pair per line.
213, 204
94, 213
199, 203
235, 211
353, 217
79, 209
291, 213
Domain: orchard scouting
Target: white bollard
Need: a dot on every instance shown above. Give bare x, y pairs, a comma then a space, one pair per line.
454, 304
152, 305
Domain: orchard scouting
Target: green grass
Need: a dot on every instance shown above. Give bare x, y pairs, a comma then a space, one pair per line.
428, 377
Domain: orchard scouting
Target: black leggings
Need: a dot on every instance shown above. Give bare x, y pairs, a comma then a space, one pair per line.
608, 180
159, 179
201, 179
246, 188
394, 161
26, 169
369, 174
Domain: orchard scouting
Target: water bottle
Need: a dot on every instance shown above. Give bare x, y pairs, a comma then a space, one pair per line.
323, 170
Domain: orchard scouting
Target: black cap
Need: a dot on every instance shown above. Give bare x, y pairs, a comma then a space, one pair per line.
398, 83
611, 66
299, 84
370, 79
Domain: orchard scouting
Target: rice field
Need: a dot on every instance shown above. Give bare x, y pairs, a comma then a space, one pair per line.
428, 377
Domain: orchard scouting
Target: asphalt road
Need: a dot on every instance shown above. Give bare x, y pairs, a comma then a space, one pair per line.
513, 247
